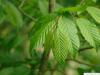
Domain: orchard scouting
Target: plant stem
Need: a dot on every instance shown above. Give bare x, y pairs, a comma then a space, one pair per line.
80, 62
45, 56
25, 47
43, 62
51, 6
86, 48
25, 14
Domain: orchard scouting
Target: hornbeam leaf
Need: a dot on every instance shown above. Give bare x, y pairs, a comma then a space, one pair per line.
60, 50
68, 26
94, 12
48, 41
89, 31
41, 28
66, 39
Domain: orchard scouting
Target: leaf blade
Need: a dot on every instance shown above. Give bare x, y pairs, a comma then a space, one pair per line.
89, 31
64, 42
94, 12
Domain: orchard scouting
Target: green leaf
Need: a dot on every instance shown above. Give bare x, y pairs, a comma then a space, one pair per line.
65, 40
13, 15
48, 41
89, 31
41, 28
94, 12
74, 9
68, 26
60, 50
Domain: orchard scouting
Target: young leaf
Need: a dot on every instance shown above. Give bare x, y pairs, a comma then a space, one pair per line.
47, 45
68, 26
13, 14
94, 12
48, 41
65, 39
89, 31
41, 28
60, 50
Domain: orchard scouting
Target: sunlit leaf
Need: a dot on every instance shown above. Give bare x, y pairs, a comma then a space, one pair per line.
94, 12
42, 26
48, 41
60, 49
89, 31
66, 39
68, 26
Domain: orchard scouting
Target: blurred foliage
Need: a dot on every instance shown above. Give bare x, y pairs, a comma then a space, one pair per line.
70, 34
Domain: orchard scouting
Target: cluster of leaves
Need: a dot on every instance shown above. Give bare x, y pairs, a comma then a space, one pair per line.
66, 31
63, 32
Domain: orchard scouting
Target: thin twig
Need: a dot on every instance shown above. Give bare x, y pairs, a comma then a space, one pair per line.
22, 3
44, 59
84, 49
25, 14
80, 62
51, 6
82, 2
